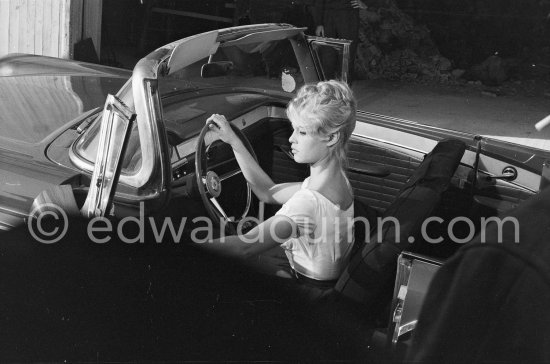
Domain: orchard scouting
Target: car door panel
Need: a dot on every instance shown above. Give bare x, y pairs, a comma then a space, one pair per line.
496, 195
501, 196
379, 192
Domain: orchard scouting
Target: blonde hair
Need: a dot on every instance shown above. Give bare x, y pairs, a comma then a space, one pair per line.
328, 107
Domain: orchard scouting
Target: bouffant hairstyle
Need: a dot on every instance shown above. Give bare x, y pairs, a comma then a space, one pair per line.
329, 109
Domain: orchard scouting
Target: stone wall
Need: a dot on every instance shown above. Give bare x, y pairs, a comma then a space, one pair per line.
394, 46
491, 41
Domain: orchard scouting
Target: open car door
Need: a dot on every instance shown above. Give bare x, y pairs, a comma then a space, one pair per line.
331, 57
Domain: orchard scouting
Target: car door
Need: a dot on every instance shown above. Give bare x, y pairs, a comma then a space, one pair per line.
494, 176
505, 174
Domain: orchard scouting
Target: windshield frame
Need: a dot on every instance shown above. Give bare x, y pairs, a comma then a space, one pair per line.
141, 93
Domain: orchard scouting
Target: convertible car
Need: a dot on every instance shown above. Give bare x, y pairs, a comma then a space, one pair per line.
81, 142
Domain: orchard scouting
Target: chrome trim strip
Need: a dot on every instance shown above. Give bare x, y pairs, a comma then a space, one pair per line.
13, 212
230, 174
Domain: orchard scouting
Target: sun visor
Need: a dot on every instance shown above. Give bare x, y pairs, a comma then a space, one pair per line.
259, 41
192, 50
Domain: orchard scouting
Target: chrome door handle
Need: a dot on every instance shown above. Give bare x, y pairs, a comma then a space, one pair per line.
508, 174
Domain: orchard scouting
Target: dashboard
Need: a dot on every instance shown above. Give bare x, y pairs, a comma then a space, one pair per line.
184, 120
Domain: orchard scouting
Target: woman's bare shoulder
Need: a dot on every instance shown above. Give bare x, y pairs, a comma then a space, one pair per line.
337, 191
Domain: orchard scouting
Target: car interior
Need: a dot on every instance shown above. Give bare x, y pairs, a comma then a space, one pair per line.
433, 175
389, 181
383, 283
378, 171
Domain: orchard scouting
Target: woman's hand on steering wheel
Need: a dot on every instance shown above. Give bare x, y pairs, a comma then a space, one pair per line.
219, 125
209, 184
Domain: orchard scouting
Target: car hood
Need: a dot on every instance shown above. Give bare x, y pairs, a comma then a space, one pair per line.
40, 94
28, 64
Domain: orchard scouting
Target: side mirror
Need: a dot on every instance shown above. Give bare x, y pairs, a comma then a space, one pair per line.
116, 124
216, 69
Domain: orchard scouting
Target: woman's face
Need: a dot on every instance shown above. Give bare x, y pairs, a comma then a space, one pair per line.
307, 146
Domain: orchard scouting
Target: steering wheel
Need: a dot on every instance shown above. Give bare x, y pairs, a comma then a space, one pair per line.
210, 184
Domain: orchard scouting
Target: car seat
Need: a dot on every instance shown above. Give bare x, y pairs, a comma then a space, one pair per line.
368, 278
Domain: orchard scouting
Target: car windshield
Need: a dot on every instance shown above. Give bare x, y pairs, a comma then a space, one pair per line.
259, 68
265, 65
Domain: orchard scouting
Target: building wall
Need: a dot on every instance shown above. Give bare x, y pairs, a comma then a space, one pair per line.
48, 27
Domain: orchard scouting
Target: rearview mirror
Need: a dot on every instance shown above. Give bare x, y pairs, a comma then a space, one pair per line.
116, 124
216, 69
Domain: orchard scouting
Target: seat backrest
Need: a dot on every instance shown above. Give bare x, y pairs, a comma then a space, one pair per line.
366, 219
368, 278
504, 276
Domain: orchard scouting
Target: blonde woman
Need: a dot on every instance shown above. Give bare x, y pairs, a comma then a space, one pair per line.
313, 227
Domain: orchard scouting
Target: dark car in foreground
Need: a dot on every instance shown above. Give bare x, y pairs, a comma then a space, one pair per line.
109, 181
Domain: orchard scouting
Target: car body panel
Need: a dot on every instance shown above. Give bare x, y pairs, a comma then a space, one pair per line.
23, 177
40, 94
40, 97
21, 64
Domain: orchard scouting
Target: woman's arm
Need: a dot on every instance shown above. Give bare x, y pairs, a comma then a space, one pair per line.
276, 230
260, 182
